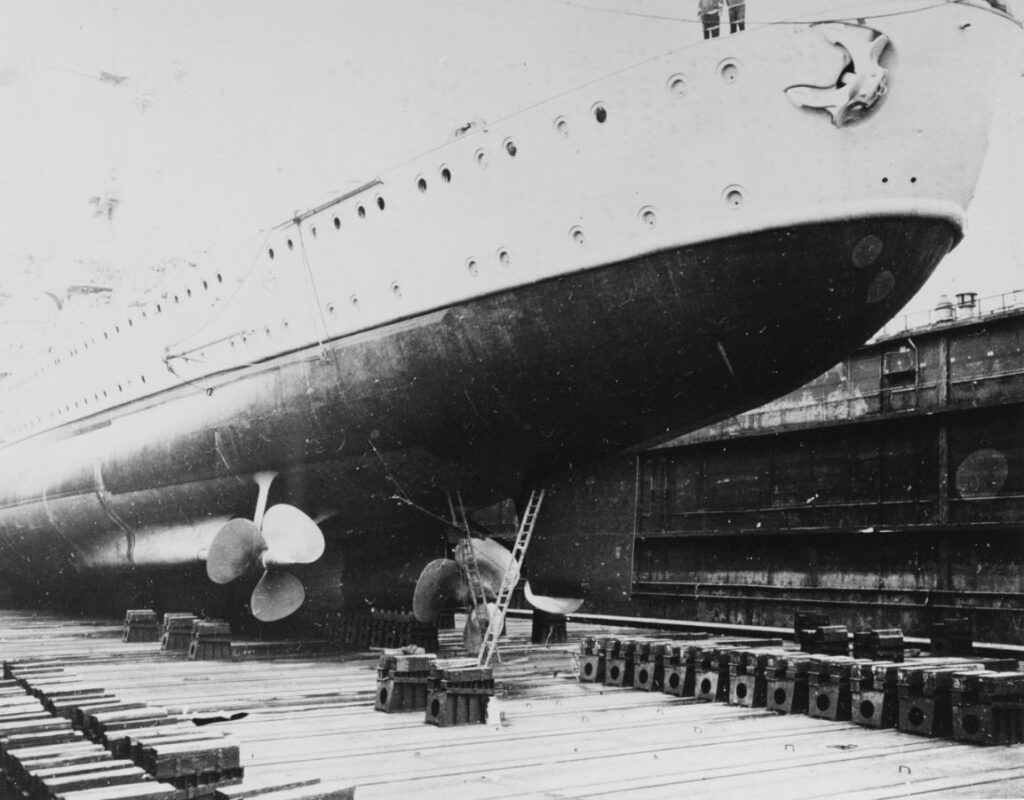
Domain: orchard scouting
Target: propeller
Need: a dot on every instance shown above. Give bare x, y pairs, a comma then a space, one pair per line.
552, 605
443, 584
276, 537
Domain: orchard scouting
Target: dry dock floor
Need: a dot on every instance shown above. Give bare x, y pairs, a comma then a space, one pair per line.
310, 713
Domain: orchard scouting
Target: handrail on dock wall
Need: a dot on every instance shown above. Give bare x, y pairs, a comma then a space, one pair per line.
981, 307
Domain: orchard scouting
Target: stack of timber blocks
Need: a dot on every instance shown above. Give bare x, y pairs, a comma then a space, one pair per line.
211, 641
988, 707
62, 737
459, 693
177, 632
402, 680
141, 625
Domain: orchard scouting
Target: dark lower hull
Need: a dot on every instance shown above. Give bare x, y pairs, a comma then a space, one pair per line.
488, 397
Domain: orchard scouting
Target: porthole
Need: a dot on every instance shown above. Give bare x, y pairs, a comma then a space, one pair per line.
576, 234
220, 278
380, 203
206, 285
677, 86
510, 148
446, 175
270, 252
733, 196
361, 211
330, 309
313, 231
396, 290
562, 127
143, 378
648, 216
266, 331
188, 291
131, 322
117, 329
481, 158
600, 112
159, 310
471, 267
177, 299
120, 388
729, 70
291, 244
354, 300
421, 184
337, 223
504, 258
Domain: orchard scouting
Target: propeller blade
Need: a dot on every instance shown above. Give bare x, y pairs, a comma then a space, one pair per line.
292, 537
235, 547
439, 586
277, 595
476, 626
552, 605
492, 559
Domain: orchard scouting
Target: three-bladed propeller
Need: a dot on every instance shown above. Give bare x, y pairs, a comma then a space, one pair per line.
275, 538
443, 585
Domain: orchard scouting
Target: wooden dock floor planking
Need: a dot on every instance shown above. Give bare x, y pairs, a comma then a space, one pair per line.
311, 715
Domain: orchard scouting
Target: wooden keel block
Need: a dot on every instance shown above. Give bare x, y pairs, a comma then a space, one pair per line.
988, 707
445, 709
211, 641
141, 625
177, 632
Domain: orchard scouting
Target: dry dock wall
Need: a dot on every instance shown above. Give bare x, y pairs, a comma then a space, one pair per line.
887, 492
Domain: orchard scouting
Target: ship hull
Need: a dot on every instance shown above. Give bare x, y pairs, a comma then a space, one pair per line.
487, 397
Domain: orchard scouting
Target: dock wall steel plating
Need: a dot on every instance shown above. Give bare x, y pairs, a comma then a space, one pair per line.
887, 492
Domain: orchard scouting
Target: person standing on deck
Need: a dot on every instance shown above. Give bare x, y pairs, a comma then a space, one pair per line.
737, 15
709, 11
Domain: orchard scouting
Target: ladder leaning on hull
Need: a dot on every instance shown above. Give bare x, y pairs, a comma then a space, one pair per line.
510, 579
470, 568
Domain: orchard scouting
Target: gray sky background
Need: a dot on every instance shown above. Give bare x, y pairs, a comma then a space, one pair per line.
233, 114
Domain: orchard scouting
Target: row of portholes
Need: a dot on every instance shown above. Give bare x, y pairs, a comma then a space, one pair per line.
86, 343
84, 402
380, 202
503, 257
728, 70
733, 196
482, 159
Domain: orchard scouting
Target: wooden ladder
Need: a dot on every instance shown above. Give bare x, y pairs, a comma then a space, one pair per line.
470, 568
510, 578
